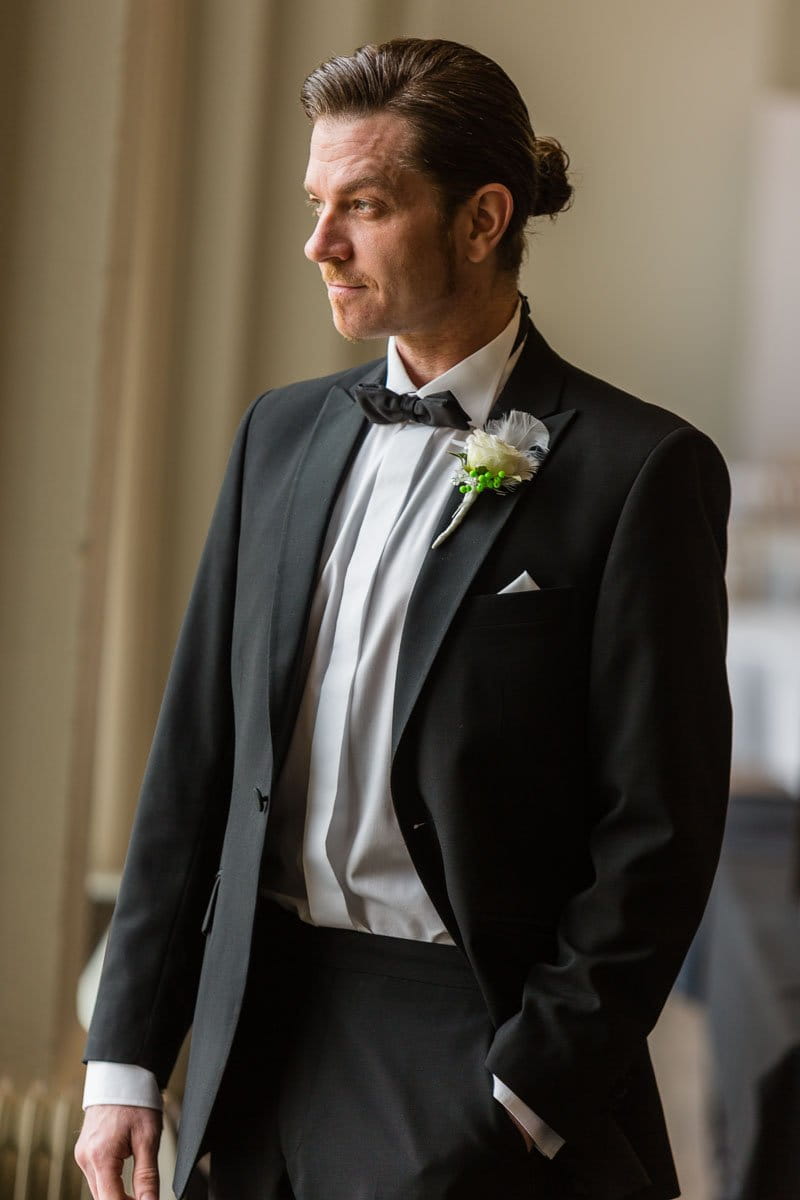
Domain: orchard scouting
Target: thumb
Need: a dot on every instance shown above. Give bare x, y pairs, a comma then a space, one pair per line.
145, 1166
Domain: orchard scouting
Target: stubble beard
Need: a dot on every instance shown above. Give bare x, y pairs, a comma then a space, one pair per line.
449, 285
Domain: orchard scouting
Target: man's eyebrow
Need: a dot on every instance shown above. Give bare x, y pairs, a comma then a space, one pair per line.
366, 181
358, 185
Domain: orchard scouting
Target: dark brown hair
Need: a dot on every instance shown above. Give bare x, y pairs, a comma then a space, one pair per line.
471, 124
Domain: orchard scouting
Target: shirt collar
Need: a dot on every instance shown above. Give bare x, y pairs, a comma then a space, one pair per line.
475, 381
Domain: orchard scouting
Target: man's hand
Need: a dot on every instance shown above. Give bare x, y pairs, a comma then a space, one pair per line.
523, 1131
110, 1134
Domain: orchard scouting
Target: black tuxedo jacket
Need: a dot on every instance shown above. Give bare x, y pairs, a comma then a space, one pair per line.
560, 757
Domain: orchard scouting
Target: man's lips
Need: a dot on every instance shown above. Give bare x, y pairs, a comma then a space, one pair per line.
341, 285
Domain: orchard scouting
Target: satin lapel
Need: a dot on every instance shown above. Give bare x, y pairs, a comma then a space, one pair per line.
535, 386
329, 452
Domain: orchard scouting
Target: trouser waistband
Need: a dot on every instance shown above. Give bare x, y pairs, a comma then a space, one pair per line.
370, 953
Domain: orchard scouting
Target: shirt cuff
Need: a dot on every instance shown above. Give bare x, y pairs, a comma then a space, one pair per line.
121, 1083
545, 1139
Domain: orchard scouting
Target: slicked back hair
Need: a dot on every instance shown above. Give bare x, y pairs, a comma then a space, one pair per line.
470, 125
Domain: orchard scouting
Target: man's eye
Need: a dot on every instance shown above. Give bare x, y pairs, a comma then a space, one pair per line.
357, 205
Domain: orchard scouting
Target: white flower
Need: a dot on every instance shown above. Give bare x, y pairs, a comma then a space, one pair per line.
484, 450
507, 452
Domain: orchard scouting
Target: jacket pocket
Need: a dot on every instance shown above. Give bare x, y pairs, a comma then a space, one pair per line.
519, 608
208, 919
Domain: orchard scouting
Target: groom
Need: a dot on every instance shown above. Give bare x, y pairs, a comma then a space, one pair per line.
425, 832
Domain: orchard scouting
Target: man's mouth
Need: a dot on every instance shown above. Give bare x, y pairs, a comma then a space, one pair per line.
344, 285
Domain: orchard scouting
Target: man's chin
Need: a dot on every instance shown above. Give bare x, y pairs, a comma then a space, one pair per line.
353, 321
356, 334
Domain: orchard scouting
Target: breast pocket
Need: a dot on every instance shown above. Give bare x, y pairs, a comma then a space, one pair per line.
521, 652
547, 605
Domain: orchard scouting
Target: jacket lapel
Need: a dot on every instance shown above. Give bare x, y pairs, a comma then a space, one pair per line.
535, 386
330, 449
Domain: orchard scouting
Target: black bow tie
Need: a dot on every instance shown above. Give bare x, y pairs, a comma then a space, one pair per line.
385, 407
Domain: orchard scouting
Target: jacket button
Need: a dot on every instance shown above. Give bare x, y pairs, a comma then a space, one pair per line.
261, 800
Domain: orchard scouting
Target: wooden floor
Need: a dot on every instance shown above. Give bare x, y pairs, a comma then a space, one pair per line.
680, 1055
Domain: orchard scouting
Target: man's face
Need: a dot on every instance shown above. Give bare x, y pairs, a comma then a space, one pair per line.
383, 249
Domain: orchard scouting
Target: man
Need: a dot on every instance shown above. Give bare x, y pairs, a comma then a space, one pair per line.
449, 793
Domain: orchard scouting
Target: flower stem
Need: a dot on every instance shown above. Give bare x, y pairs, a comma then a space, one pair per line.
458, 516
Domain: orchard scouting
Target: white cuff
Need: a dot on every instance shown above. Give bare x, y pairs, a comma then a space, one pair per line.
121, 1083
545, 1139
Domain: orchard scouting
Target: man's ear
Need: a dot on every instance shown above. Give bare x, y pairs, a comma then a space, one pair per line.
489, 212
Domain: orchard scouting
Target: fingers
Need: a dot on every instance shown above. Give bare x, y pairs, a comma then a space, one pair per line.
105, 1183
108, 1181
89, 1175
110, 1134
145, 1139
103, 1171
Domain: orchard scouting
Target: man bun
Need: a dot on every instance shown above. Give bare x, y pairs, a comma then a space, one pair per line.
553, 189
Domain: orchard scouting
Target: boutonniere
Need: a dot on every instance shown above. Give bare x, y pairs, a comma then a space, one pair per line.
504, 454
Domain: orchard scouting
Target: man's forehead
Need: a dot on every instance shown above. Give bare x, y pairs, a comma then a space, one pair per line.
363, 151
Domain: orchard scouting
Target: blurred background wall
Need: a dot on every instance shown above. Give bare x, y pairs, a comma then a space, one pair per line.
152, 282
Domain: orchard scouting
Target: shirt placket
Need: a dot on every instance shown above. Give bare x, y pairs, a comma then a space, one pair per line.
327, 779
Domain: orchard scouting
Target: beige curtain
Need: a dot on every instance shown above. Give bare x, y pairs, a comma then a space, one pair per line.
209, 302
153, 282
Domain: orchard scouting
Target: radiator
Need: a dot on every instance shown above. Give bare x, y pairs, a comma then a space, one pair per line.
38, 1130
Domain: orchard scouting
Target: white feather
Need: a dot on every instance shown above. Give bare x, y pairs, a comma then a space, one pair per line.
521, 430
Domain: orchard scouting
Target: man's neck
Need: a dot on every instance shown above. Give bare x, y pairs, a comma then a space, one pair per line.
426, 356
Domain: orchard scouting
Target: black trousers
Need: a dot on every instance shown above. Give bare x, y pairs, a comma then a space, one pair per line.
358, 1074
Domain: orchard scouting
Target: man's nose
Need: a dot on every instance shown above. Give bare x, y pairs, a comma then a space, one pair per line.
327, 241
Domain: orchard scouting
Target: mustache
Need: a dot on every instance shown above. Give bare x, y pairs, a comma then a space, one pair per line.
341, 281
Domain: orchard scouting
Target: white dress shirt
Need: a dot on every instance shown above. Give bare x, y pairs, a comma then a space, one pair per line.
335, 853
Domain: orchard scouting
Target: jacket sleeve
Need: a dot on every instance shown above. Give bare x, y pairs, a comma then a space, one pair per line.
149, 980
658, 743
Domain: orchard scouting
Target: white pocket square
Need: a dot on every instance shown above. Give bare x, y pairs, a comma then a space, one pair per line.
523, 583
